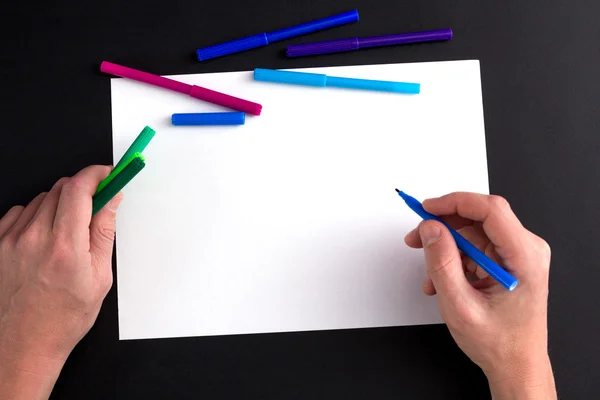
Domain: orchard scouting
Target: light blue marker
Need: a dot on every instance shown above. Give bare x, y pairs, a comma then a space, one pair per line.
320, 80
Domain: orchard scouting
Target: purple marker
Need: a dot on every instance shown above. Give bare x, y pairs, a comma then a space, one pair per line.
337, 46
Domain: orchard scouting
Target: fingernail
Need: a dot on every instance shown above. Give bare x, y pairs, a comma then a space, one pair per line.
115, 202
430, 234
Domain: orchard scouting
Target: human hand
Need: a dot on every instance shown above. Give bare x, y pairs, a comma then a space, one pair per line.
55, 270
503, 332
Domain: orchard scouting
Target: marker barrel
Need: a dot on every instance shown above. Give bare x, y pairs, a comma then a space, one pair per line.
209, 119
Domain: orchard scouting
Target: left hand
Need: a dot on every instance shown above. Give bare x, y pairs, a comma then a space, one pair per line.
55, 270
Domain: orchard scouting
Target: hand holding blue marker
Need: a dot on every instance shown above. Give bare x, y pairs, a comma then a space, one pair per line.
486, 263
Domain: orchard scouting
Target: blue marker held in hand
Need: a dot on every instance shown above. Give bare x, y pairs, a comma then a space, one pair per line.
486, 263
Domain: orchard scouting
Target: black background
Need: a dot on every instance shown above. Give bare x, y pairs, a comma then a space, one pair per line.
540, 63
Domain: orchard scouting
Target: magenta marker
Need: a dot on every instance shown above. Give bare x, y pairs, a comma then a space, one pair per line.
349, 44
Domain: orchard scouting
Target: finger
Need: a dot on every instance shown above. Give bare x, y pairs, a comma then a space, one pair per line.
45, 214
74, 209
428, 287
472, 233
444, 265
500, 224
456, 221
487, 284
474, 237
102, 236
27, 215
484, 245
412, 238
9, 219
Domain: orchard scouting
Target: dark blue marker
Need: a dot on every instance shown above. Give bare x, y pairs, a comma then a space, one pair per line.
263, 39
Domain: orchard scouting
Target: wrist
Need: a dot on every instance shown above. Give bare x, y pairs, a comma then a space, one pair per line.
527, 378
27, 378
26, 373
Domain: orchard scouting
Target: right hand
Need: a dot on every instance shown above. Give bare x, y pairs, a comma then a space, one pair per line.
55, 270
503, 332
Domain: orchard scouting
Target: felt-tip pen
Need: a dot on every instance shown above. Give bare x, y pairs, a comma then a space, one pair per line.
488, 265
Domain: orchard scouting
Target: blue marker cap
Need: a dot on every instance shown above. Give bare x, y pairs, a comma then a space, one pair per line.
367, 84
207, 119
293, 78
233, 46
309, 27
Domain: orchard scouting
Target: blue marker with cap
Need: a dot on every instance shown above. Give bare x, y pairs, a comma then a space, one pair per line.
263, 39
208, 119
488, 265
320, 80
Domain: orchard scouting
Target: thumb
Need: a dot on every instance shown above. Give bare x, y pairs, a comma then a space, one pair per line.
444, 264
102, 233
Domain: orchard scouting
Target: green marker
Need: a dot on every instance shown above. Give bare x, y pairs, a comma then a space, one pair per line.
117, 182
130, 164
138, 145
117, 171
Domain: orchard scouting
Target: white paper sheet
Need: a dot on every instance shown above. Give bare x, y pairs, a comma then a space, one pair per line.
291, 222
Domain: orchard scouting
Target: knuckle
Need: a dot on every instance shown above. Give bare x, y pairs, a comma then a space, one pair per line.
442, 264
16, 210
30, 238
106, 233
543, 248
499, 202
61, 182
467, 316
7, 244
61, 252
106, 283
75, 184
40, 198
13, 214
71, 183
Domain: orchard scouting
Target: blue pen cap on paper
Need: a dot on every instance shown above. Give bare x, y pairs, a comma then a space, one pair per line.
234, 46
381, 86
209, 119
293, 78
320, 24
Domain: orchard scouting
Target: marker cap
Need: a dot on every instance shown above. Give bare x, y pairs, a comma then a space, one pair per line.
234, 46
294, 78
224, 118
331, 46
309, 27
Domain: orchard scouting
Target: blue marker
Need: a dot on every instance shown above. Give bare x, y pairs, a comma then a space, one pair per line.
320, 80
488, 265
222, 118
263, 39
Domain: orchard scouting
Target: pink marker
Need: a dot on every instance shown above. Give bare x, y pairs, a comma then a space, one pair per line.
198, 92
